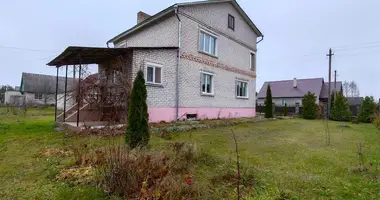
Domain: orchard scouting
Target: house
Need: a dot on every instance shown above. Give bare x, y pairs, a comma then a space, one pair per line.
290, 92
198, 58
40, 89
13, 97
355, 104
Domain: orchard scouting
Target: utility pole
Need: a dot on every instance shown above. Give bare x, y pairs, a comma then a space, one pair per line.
335, 79
329, 98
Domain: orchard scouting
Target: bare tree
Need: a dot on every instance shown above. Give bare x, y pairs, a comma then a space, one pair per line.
346, 88
354, 89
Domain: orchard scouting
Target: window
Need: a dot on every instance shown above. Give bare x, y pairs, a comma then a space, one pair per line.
242, 89
153, 73
231, 22
253, 61
38, 96
283, 102
207, 83
207, 43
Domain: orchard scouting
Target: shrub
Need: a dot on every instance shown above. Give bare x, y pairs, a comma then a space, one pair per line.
286, 110
137, 133
268, 104
367, 110
340, 111
139, 174
377, 123
309, 110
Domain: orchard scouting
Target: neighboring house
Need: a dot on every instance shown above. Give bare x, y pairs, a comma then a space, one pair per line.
355, 104
39, 89
13, 97
199, 59
292, 91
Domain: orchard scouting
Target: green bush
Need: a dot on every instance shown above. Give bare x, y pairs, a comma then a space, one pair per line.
309, 110
367, 110
137, 133
286, 110
377, 123
341, 110
268, 104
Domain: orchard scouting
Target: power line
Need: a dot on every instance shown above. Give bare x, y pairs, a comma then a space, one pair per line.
354, 45
25, 49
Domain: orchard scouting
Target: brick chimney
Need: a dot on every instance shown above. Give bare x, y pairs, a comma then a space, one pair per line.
141, 16
294, 82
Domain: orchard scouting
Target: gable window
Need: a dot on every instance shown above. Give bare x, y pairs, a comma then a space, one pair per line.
253, 61
207, 83
207, 43
153, 73
38, 96
231, 22
241, 89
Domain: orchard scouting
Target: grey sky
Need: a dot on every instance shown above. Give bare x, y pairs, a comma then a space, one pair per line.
297, 33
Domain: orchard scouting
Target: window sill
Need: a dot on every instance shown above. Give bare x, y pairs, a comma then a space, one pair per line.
208, 54
159, 85
207, 94
244, 98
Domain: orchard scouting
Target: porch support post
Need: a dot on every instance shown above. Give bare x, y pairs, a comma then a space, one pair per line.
64, 102
78, 95
56, 95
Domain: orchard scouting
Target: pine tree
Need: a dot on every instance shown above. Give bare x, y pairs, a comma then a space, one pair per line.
367, 110
309, 110
268, 104
332, 101
137, 133
341, 110
286, 110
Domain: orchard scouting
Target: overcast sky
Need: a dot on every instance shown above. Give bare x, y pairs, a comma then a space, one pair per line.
298, 34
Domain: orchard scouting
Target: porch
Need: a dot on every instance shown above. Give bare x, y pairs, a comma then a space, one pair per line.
99, 99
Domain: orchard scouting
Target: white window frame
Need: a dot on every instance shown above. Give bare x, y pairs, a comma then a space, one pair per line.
212, 83
247, 89
216, 42
154, 65
252, 68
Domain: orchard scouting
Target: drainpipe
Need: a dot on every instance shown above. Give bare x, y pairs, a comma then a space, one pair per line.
178, 64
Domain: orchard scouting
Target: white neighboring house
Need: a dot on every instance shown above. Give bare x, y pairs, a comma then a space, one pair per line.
13, 97
39, 89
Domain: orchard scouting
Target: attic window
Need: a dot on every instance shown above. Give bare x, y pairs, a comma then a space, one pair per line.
231, 22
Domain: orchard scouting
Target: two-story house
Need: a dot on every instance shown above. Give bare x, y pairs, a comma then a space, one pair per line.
199, 60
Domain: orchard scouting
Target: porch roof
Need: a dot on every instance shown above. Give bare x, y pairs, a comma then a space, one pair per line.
74, 55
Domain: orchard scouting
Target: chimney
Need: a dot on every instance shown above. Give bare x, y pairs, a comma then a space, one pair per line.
294, 82
141, 16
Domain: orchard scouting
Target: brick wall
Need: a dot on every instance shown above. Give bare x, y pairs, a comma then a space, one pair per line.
164, 33
158, 96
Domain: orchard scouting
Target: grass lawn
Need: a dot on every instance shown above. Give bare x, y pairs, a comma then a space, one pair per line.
289, 157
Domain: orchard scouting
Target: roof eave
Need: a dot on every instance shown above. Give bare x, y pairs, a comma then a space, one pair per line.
171, 8
143, 24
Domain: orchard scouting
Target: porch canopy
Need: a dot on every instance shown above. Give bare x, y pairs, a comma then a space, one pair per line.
74, 55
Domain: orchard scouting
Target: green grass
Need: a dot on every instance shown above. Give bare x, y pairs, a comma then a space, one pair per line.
289, 157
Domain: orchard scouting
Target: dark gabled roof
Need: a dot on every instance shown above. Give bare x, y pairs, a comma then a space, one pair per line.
171, 9
325, 89
74, 55
353, 101
285, 88
44, 84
